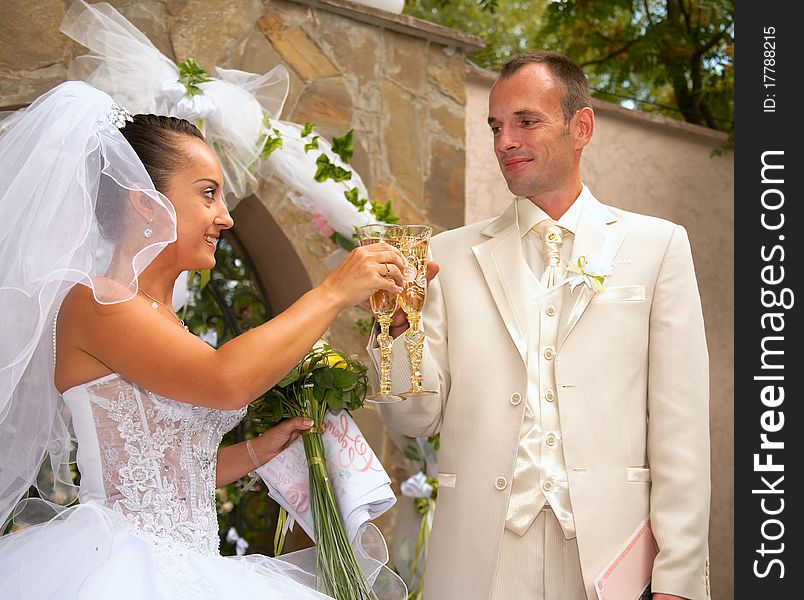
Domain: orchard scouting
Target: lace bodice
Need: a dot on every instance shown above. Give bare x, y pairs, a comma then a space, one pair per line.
151, 458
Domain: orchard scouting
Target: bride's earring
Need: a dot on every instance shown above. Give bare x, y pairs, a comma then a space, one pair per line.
148, 233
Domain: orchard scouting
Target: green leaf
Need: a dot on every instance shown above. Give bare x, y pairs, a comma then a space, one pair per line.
203, 278
312, 145
192, 71
335, 400
206, 276
383, 212
411, 453
307, 129
355, 399
331, 397
343, 379
278, 413
191, 74
324, 378
328, 170
364, 326
342, 146
291, 377
272, 142
353, 197
343, 241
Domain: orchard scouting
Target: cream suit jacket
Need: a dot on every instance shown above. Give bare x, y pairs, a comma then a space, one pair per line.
632, 386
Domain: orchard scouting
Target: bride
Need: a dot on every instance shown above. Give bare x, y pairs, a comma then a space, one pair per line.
102, 212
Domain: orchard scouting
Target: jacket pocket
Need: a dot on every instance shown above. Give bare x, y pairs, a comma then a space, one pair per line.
621, 293
446, 480
639, 474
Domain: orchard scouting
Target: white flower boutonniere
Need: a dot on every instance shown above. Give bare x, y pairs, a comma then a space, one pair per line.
589, 270
417, 486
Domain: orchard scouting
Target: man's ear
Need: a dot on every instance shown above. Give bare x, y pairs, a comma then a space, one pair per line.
584, 127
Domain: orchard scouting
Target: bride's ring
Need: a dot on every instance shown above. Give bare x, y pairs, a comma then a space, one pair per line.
387, 270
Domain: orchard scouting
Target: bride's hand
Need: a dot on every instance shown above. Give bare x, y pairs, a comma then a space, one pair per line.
366, 269
280, 436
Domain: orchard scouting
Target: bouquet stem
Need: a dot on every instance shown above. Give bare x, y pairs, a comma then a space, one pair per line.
336, 563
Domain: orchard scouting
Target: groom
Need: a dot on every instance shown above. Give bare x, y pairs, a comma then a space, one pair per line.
569, 414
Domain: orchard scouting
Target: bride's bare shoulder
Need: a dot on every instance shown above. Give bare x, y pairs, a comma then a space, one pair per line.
105, 298
82, 324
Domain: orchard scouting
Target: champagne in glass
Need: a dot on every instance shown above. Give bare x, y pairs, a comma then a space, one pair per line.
383, 306
415, 244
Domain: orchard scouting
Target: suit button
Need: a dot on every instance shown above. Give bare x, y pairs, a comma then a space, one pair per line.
501, 483
548, 395
550, 310
549, 353
547, 485
516, 398
550, 439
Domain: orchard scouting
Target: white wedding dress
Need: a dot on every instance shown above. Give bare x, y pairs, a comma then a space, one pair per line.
146, 525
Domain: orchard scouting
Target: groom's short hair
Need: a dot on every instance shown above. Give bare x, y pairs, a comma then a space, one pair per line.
564, 69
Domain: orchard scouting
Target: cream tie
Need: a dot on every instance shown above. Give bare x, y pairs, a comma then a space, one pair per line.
552, 236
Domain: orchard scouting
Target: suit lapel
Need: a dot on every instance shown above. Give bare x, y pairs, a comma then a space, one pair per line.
501, 262
596, 238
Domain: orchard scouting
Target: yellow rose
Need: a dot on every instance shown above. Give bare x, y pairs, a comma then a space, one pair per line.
335, 361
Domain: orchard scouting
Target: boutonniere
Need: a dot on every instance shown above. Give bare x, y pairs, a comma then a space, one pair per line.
589, 270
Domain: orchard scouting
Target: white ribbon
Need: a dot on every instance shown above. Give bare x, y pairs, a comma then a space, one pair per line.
173, 90
233, 537
194, 108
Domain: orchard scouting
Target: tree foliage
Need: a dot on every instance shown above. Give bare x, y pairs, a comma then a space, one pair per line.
675, 57
507, 27
669, 56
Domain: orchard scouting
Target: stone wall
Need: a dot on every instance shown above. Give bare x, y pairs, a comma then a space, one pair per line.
396, 81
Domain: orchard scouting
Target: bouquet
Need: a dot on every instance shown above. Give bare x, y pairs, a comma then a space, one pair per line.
325, 379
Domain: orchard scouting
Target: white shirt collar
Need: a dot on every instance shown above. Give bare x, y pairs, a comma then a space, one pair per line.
528, 214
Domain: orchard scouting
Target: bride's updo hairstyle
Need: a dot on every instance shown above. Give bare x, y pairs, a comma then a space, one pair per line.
156, 139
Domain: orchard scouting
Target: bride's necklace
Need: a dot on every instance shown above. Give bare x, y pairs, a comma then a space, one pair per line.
156, 304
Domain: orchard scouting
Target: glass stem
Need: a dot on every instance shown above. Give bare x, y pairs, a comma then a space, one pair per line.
415, 342
386, 342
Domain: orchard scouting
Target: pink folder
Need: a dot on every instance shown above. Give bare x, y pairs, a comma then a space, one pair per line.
628, 574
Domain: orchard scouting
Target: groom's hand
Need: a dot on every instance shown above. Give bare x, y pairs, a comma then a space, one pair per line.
399, 322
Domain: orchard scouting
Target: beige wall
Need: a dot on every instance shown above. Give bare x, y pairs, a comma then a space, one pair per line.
660, 167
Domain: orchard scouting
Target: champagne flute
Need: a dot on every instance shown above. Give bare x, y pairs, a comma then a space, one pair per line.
383, 306
415, 244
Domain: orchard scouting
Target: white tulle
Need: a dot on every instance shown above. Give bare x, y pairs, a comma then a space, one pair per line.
297, 167
126, 65
67, 178
236, 110
146, 526
91, 552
